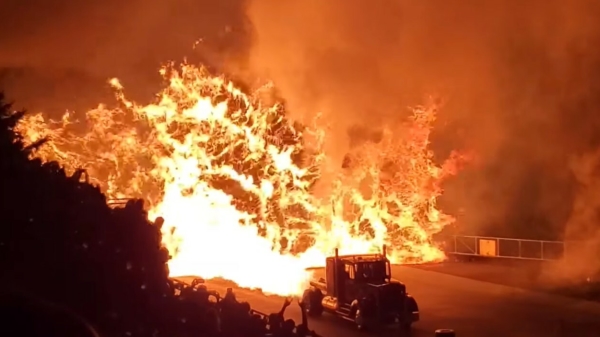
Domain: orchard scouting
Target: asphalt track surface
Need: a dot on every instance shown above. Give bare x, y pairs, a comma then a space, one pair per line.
472, 308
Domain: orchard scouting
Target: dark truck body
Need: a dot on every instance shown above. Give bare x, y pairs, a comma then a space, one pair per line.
359, 288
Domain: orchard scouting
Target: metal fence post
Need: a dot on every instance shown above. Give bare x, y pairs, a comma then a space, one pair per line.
497, 247
455, 245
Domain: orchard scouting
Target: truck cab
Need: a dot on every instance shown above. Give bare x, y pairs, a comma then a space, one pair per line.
360, 288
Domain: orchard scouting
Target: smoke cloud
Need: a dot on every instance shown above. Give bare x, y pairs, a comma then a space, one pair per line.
53, 42
581, 231
513, 75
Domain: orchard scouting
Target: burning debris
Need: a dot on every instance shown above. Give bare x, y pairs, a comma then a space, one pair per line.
221, 165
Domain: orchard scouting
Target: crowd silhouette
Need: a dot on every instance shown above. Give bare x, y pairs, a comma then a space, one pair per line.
73, 266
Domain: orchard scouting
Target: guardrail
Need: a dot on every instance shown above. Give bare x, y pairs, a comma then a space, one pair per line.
508, 248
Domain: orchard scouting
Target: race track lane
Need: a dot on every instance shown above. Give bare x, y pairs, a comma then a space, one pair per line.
472, 308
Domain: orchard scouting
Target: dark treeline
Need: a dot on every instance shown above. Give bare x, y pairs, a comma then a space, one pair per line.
73, 266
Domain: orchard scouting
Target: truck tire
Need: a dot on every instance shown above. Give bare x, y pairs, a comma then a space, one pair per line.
412, 304
359, 321
312, 302
406, 324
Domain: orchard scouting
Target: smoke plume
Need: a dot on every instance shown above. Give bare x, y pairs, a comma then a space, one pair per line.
512, 74
51, 42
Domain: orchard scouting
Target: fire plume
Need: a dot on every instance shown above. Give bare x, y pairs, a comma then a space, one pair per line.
233, 178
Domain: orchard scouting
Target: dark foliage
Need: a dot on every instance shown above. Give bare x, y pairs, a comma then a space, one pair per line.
60, 243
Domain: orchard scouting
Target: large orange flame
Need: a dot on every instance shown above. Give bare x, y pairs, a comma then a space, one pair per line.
233, 177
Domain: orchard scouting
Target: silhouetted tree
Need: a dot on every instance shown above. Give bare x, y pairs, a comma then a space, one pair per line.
104, 269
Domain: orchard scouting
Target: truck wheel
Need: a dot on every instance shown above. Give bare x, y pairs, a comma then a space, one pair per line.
412, 304
359, 321
312, 302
